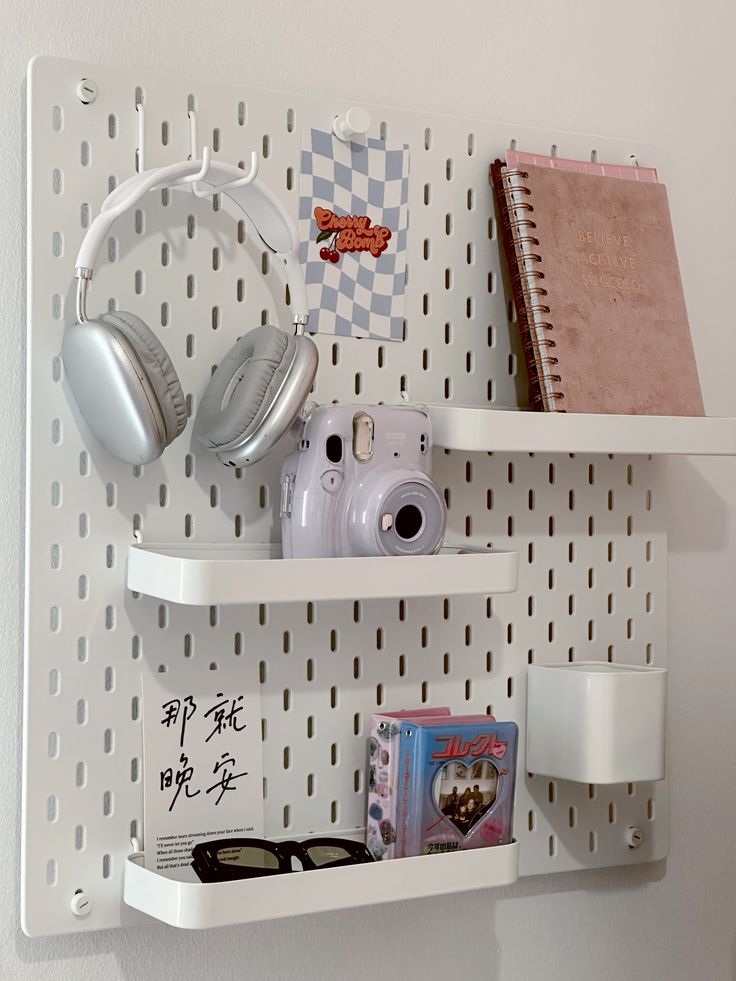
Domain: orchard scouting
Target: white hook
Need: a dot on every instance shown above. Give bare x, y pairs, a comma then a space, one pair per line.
201, 173
205, 192
193, 149
140, 152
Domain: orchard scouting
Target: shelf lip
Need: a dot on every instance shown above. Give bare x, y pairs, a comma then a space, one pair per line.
520, 431
199, 906
211, 575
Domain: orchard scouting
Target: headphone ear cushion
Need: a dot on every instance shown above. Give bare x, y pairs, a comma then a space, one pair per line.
158, 367
243, 387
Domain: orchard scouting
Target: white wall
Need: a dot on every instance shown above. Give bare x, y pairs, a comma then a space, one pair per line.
655, 70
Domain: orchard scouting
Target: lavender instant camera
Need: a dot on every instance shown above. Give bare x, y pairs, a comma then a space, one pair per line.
358, 484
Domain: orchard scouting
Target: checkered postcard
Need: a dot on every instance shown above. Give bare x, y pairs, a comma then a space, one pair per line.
353, 218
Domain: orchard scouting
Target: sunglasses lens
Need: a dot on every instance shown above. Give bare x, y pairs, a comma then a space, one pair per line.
247, 857
326, 854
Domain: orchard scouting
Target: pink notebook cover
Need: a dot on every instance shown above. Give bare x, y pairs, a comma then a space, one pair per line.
648, 175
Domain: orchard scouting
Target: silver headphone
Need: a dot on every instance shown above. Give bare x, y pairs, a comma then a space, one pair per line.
123, 380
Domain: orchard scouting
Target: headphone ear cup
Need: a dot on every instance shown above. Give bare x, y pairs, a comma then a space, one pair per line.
124, 385
159, 369
255, 393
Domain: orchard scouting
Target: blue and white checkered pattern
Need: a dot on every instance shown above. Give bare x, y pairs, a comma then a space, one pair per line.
360, 296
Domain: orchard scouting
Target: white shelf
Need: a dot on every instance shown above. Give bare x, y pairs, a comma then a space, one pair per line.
209, 575
519, 431
198, 906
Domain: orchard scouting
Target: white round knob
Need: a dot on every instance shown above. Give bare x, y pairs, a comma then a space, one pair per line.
86, 91
633, 837
81, 905
353, 122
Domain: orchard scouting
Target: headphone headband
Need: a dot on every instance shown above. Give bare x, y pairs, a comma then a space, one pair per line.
274, 226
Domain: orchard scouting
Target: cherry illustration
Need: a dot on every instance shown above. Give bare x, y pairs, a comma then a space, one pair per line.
334, 256
324, 253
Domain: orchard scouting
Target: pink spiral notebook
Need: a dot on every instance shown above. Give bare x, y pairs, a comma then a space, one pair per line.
597, 288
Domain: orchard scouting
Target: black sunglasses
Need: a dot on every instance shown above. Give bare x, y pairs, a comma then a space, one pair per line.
249, 858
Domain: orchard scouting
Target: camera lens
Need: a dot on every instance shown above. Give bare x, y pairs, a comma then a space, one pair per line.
409, 522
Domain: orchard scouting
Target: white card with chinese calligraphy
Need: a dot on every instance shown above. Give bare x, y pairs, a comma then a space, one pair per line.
202, 763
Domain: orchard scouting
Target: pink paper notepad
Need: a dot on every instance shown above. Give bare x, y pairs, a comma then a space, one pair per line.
648, 175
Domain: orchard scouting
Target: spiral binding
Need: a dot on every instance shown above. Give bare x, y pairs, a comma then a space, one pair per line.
519, 226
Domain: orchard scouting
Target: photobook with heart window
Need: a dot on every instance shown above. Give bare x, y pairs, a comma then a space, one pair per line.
439, 783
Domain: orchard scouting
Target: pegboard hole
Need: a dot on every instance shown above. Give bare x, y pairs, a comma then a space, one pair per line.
107, 803
52, 809
80, 775
57, 119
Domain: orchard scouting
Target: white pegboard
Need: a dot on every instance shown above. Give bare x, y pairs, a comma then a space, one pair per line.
589, 534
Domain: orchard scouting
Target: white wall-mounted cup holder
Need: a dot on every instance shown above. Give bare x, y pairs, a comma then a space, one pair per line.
596, 722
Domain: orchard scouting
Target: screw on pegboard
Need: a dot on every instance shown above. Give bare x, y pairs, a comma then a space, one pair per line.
86, 91
633, 837
81, 904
